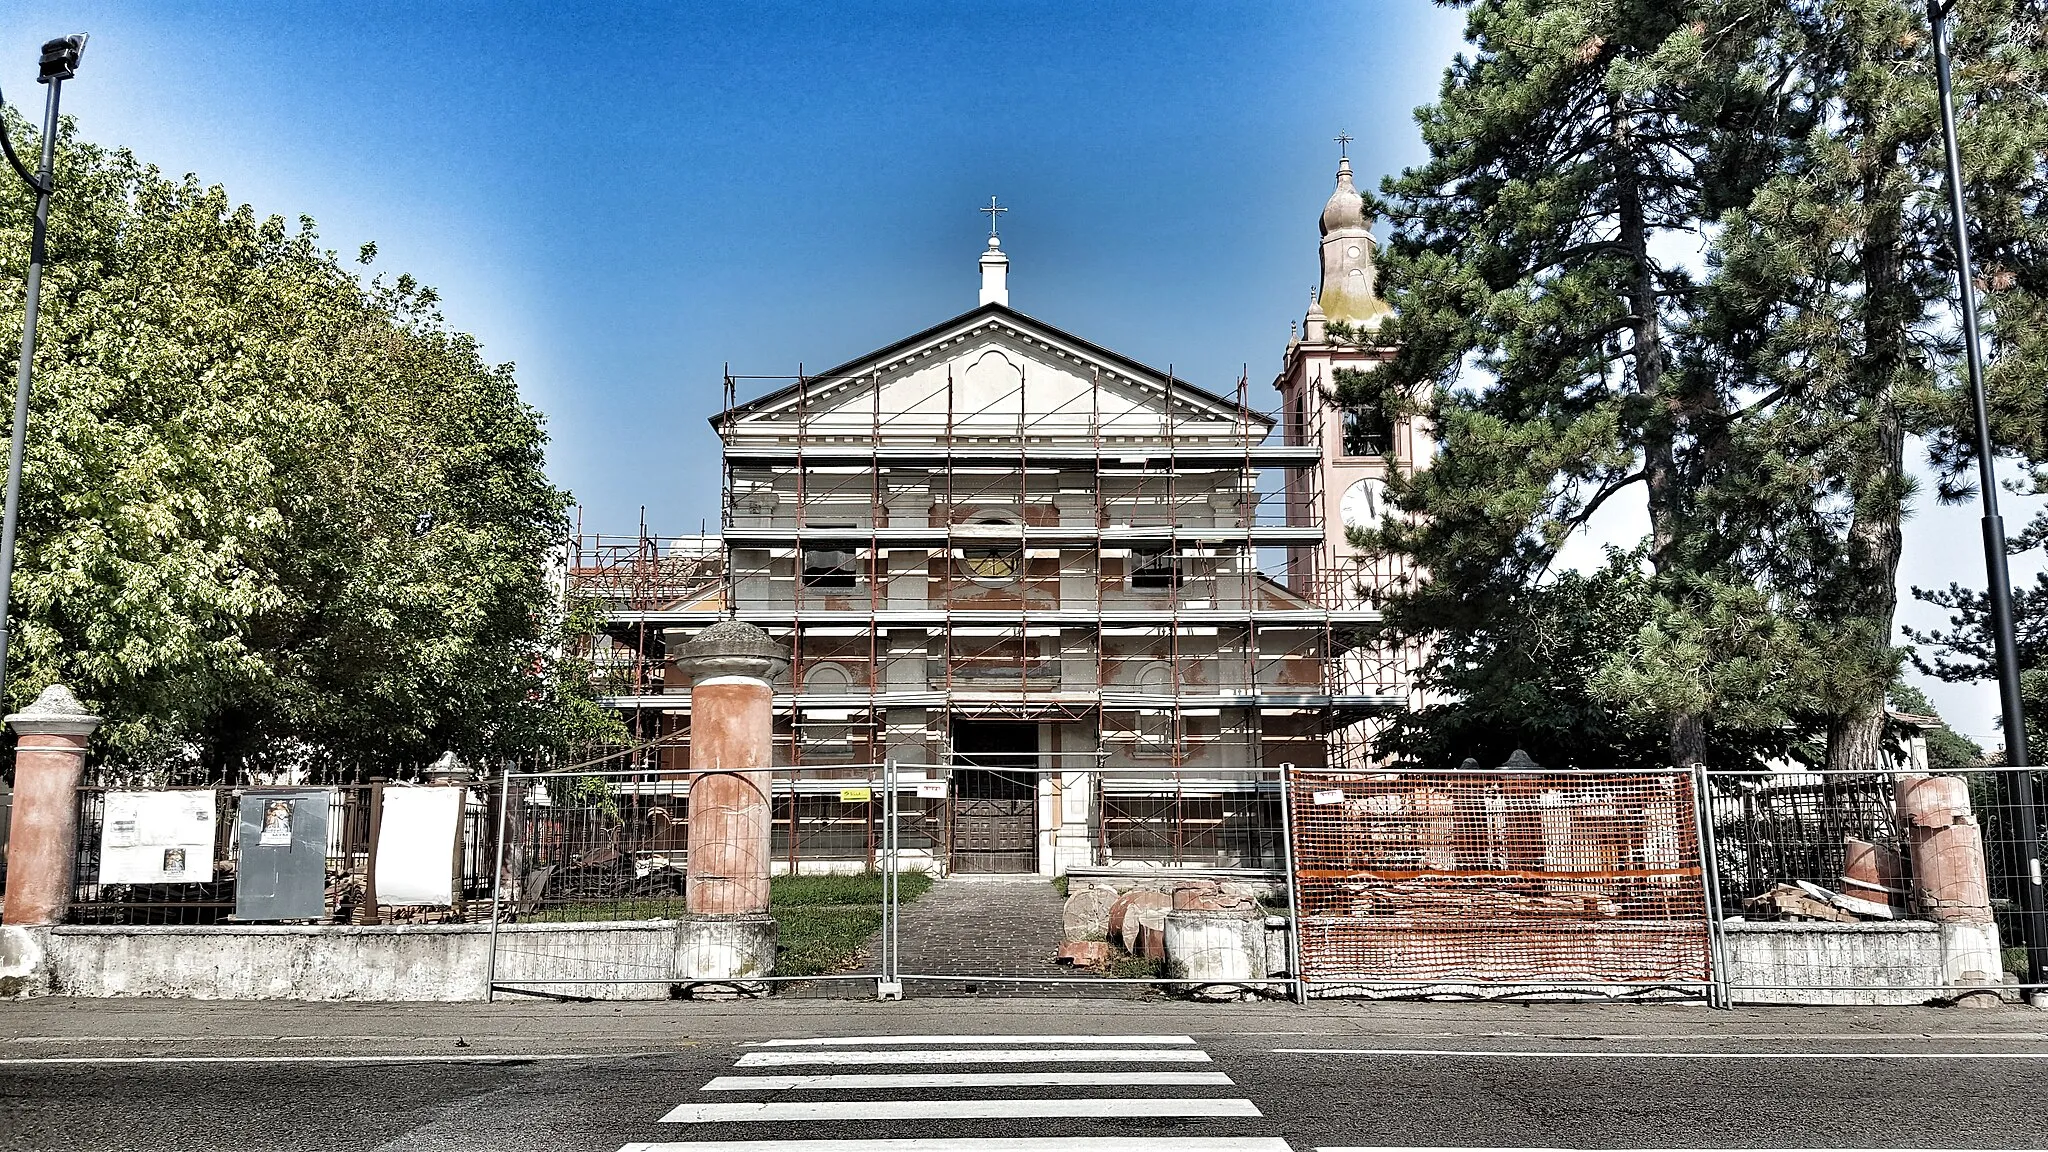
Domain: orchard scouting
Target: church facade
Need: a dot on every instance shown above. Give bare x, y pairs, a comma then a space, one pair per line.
1092, 604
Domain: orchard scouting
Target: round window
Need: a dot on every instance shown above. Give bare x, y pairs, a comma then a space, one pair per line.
991, 565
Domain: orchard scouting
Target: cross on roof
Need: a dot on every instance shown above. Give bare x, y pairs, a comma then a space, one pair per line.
1343, 143
993, 209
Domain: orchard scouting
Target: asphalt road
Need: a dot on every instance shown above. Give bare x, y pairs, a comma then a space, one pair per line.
1159, 1077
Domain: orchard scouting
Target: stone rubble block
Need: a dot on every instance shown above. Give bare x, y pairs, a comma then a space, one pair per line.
1084, 953
1151, 941
1086, 914
1134, 910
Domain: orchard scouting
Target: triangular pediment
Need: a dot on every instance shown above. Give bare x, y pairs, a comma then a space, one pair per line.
993, 372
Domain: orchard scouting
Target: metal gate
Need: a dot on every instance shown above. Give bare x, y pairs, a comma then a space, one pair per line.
590, 867
1494, 882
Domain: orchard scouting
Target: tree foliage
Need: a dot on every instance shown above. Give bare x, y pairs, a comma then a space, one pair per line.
1577, 156
1690, 255
1529, 673
1841, 264
272, 514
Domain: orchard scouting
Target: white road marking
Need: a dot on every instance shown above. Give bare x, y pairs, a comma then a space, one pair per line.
1592, 1054
983, 1144
1108, 1078
878, 1041
981, 1056
1464, 1148
501, 1058
844, 1110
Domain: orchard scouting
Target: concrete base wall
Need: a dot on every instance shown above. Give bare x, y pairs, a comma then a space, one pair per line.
397, 963
1869, 963
1224, 948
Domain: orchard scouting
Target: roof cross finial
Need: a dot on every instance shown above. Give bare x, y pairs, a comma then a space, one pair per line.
1343, 144
993, 210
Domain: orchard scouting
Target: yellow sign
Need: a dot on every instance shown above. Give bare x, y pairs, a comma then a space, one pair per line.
855, 795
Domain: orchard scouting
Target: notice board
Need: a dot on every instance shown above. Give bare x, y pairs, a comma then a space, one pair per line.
281, 837
416, 845
157, 837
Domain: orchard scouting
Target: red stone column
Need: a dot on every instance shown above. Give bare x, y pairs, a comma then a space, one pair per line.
732, 731
1950, 880
42, 843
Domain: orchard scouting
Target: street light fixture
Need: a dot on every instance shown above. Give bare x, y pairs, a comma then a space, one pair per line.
58, 64
2034, 911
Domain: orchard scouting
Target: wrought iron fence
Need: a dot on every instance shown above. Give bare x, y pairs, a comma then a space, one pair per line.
351, 845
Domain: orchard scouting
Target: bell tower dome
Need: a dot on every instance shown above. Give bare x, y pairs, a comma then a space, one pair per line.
1361, 446
1348, 292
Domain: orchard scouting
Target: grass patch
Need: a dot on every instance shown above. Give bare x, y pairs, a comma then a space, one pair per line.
852, 888
814, 939
1059, 885
823, 921
1125, 966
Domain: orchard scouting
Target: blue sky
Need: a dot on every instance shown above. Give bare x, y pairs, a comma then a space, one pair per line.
624, 198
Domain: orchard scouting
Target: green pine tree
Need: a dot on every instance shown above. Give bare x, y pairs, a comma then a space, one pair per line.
1841, 264
1544, 271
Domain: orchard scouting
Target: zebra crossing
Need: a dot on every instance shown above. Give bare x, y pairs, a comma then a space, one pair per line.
967, 1084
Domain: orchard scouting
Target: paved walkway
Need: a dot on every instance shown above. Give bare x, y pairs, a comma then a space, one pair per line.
1007, 926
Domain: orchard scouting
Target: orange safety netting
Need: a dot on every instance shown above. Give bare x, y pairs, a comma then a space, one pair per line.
1489, 878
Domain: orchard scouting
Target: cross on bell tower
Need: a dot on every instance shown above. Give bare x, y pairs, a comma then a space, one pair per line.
994, 210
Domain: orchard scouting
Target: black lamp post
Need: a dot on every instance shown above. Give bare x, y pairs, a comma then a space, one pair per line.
2034, 912
58, 64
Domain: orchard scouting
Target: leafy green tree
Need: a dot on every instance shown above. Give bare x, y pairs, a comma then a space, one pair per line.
1696, 254
272, 515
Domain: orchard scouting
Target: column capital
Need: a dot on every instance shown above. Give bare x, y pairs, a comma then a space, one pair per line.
732, 648
55, 713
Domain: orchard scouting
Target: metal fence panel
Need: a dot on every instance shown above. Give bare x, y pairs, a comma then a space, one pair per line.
1489, 882
1864, 877
614, 846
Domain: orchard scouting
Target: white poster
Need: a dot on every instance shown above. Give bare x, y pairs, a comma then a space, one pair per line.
157, 837
416, 845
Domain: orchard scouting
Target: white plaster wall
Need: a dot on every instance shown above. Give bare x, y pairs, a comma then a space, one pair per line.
375, 963
1870, 963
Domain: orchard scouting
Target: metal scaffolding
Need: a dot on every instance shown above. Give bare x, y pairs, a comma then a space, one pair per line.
1153, 579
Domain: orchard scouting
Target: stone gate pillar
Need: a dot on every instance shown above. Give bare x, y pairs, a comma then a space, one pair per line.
732, 731
42, 849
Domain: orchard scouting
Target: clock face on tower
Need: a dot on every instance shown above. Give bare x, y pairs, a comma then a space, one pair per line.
1363, 502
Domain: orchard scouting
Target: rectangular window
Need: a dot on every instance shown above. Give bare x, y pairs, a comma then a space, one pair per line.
830, 566
1155, 568
1367, 431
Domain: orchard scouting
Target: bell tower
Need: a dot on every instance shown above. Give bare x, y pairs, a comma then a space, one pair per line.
1360, 446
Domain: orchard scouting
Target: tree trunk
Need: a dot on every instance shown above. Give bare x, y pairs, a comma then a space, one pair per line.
1856, 736
1688, 740
1660, 427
